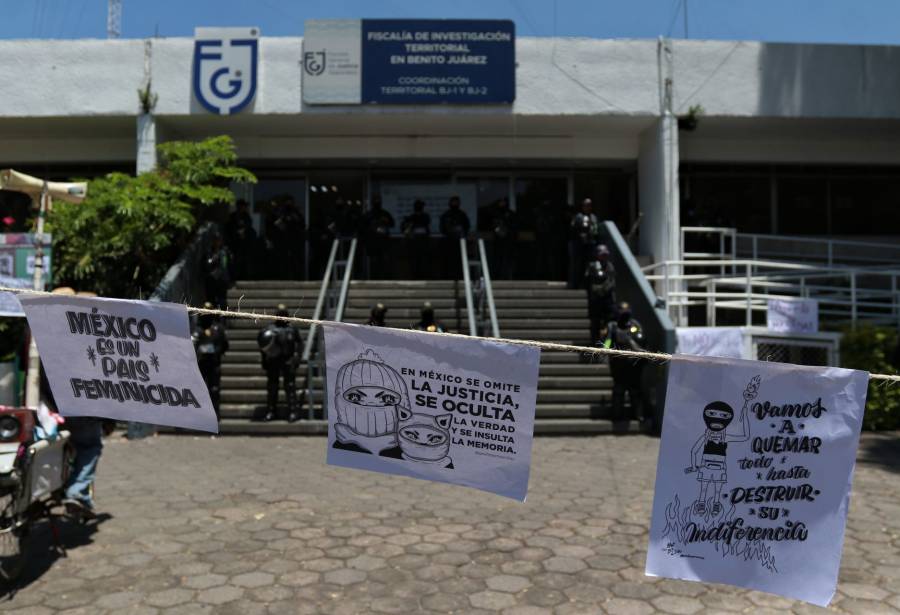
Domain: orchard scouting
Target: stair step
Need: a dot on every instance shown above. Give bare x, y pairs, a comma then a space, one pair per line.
258, 396
544, 427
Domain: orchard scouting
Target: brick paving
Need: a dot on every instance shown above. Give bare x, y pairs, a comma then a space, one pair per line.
245, 526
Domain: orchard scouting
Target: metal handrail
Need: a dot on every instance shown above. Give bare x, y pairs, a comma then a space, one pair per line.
345, 283
871, 302
488, 290
320, 301
467, 281
756, 238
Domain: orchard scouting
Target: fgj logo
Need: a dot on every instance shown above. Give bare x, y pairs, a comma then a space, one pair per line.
224, 69
314, 62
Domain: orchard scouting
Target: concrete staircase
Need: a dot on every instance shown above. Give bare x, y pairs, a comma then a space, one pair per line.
573, 395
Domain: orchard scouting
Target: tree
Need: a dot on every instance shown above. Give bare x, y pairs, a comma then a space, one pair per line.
122, 238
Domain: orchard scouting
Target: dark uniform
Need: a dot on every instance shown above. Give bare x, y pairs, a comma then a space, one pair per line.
454, 226
279, 347
600, 283
377, 224
417, 229
240, 237
376, 316
625, 333
428, 322
550, 224
210, 343
287, 233
503, 231
584, 232
217, 273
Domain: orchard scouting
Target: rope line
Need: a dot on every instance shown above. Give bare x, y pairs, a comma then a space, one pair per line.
658, 357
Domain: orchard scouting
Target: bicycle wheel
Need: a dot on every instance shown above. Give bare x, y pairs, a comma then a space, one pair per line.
12, 542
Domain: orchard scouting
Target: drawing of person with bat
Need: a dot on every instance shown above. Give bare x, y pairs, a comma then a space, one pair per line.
708, 456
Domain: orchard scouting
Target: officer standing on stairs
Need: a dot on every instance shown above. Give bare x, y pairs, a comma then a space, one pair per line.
600, 282
210, 343
377, 315
625, 333
279, 347
427, 321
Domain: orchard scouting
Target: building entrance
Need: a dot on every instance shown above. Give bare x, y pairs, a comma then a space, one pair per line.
408, 222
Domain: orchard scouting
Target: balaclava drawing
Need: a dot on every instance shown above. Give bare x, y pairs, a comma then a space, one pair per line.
424, 437
717, 415
367, 395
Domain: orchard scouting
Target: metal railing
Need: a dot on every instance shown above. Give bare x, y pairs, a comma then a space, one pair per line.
758, 246
330, 304
844, 294
467, 287
488, 308
320, 301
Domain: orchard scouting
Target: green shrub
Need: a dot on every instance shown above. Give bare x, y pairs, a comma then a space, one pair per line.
122, 239
872, 349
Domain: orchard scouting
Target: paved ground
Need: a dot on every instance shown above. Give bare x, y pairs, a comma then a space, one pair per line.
241, 525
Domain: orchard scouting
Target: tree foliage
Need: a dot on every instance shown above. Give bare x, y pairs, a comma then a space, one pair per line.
122, 238
872, 349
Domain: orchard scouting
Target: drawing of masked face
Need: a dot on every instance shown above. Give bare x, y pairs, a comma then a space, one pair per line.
369, 410
367, 393
424, 437
717, 415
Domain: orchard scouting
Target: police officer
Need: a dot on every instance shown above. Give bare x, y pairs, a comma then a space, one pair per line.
210, 343
217, 272
279, 347
584, 231
600, 282
503, 229
427, 320
625, 333
454, 226
417, 229
376, 316
377, 225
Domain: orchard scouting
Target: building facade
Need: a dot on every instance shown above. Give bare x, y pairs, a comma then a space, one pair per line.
768, 138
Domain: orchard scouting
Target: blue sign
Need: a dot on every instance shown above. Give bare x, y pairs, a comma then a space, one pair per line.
224, 68
453, 61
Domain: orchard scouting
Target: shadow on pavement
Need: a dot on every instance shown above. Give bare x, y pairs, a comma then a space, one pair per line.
881, 450
41, 551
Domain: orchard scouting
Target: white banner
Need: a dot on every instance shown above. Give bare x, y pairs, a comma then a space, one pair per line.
792, 315
725, 342
118, 359
754, 474
432, 407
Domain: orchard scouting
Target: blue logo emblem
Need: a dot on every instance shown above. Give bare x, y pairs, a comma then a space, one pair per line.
224, 69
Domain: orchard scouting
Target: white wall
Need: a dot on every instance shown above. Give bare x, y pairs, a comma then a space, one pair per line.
752, 79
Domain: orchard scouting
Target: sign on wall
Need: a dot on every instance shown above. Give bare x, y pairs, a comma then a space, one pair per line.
453, 410
754, 474
409, 61
793, 315
225, 68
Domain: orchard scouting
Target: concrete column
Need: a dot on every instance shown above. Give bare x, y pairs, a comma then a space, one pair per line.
658, 190
146, 143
